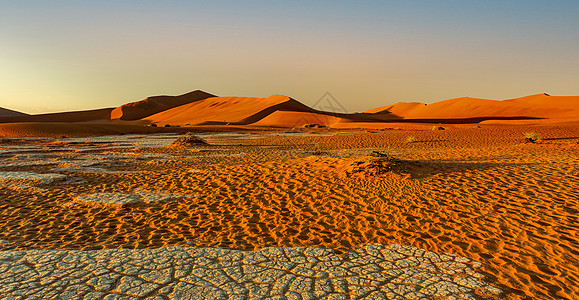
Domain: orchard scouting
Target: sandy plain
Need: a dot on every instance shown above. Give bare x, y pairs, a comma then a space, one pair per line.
476, 191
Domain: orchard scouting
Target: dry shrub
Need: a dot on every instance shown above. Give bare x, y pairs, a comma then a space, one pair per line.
531, 137
188, 140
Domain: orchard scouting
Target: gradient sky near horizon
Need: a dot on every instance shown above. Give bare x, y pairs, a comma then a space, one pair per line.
69, 55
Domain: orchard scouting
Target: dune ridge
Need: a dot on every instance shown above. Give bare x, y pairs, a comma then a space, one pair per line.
274, 111
283, 111
152, 105
534, 106
228, 110
4, 112
202, 109
70, 116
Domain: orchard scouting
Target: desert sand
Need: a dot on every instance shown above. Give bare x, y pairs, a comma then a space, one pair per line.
393, 211
479, 193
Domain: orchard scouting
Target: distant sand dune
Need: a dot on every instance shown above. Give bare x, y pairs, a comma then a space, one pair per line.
297, 119
399, 109
152, 105
283, 111
223, 110
4, 112
72, 116
535, 106
199, 108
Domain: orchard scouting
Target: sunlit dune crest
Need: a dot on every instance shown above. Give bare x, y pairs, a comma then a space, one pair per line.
4, 112
152, 105
201, 108
93, 115
535, 106
223, 110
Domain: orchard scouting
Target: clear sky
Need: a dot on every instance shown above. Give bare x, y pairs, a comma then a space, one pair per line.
67, 55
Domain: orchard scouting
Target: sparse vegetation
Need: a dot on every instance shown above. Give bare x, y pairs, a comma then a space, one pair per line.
436, 127
320, 153
188, 140
153, 125
531, 137
167, 125
377, 164
411, 139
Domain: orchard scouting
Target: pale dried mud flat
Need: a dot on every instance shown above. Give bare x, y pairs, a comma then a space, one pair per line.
480, 193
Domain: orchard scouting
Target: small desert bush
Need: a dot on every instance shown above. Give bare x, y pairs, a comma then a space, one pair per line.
532, 137
320, 153
167, 125
153, 125
378, 163
411, 139
435, 127
188, 140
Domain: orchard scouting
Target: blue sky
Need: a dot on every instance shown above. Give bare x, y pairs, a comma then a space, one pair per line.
67, 55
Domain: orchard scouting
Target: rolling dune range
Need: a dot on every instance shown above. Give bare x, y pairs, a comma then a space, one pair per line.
199, 108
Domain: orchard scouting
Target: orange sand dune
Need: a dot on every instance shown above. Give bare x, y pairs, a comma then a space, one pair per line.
4, 112
274, 111
227, 110
283, 111
399, 109
297, 119
201, 108
535, 106
152, 105
72, 116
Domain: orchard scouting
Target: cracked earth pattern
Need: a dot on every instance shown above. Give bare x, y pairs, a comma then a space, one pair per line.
372, 272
